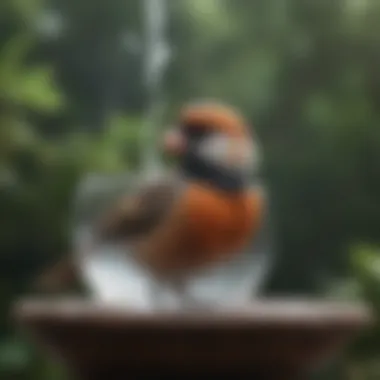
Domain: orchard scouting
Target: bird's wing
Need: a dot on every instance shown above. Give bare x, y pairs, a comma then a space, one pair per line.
136, 215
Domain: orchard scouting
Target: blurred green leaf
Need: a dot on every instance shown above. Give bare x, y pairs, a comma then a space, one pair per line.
366, 263
12, 56
35, 90
27, 9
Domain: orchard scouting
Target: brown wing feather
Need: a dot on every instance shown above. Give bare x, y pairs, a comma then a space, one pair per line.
166, 250
135, 216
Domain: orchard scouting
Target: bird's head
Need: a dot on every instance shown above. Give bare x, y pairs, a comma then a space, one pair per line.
214, 144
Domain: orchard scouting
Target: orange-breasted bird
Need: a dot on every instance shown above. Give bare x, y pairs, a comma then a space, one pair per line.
205, 213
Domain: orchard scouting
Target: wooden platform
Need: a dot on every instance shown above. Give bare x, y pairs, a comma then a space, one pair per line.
272, 339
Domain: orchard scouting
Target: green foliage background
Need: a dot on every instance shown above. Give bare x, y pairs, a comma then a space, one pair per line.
306, 74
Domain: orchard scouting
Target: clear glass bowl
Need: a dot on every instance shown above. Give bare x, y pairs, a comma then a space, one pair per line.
111, 276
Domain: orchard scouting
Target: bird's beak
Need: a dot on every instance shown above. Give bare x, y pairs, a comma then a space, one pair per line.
174, 142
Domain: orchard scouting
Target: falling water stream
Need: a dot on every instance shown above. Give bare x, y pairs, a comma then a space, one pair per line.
156, 60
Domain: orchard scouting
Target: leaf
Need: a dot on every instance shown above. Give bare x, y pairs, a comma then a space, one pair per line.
12, 56
35, 90
27, 9
24, 86
366, 259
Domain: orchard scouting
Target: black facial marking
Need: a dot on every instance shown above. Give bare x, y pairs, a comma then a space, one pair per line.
196, 168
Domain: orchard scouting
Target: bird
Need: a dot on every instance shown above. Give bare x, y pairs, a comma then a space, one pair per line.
204, 213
